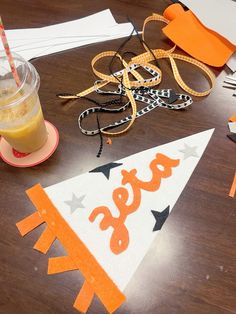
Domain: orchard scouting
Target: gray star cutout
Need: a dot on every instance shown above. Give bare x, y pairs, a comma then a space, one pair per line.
189, 151
75, 203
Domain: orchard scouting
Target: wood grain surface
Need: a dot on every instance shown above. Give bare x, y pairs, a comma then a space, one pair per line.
192, 267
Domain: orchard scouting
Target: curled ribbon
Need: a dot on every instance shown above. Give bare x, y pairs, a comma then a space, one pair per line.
143, 61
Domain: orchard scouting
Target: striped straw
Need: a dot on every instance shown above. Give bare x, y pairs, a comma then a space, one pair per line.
8, 53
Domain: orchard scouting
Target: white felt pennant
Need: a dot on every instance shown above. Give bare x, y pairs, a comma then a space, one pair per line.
118, 209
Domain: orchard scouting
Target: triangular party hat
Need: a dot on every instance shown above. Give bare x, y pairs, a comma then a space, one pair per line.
187, 32
107, 218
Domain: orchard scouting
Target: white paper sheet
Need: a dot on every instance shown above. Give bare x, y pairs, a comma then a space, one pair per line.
60, 44
36, 42
91, 24
94, 189
232, 127
218, 15
231, 63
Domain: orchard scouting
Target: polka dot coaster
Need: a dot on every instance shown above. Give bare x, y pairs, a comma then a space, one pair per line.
17, 159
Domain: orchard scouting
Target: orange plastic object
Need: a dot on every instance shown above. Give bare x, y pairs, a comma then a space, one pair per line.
187, 32
233, 118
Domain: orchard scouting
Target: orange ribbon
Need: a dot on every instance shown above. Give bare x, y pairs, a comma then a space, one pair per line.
143, 60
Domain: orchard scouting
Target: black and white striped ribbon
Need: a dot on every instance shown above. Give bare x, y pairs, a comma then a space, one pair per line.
149, 96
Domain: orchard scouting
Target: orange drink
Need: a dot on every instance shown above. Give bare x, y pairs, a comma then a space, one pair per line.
21, 118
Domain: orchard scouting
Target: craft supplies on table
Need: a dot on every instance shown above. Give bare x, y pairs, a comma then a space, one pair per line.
108, 251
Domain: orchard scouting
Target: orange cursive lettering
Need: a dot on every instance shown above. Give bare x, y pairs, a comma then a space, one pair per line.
161, 167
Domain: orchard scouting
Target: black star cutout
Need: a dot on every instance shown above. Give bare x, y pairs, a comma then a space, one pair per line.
232, 136
105, 169
160, 217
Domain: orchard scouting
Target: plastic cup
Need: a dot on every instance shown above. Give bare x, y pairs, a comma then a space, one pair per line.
21, 118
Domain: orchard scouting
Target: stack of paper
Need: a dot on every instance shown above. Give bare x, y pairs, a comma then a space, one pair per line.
218, 16
35, 42
230, 81
232, 134
231, 63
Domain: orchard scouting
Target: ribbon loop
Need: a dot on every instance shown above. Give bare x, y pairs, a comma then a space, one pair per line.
132, 88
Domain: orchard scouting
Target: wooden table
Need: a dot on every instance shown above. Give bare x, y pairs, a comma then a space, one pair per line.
192, 268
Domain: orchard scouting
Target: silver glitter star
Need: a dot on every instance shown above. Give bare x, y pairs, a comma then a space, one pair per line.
75, 203
189, 151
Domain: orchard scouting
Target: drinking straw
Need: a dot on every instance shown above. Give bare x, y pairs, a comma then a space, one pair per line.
8, 53
233, 187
